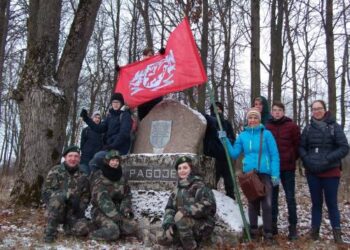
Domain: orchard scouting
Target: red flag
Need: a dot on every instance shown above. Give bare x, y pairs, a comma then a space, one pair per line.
179, 68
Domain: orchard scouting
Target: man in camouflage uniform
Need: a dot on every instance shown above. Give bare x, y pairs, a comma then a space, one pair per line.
66, 195
111, 199
189, 213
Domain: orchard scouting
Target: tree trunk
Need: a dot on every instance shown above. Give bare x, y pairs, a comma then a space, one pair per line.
145, 15
276, 48
4, 19
293, 60
255, 49
43, 111
204, 54
332, 97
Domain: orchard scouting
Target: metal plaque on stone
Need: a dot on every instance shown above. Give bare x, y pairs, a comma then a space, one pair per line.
160, 135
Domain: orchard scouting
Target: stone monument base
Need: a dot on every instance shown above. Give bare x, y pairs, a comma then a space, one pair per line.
157, 172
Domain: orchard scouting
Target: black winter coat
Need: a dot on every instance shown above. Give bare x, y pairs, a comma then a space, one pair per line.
90, 143
212, 144
117, 127
322, 148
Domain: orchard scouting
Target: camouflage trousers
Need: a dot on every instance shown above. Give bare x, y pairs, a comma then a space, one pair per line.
60, 212
191, 231
109, 230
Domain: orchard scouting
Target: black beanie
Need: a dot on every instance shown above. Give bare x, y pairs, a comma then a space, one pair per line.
219, 105
119, 97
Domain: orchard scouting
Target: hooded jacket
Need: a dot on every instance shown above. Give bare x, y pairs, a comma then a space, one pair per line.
323, 147
287, 136
265, 113
117, 127
248, 143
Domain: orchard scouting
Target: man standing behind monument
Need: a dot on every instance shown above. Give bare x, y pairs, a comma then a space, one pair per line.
214, 148
116, 126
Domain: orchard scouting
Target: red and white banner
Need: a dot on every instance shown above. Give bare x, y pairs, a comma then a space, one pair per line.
178, 69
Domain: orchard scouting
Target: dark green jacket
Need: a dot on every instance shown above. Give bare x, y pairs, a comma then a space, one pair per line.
111, 198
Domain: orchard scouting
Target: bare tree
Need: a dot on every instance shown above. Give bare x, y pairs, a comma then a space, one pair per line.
44, 95
255, 49
4, 19
276, 57
328, 25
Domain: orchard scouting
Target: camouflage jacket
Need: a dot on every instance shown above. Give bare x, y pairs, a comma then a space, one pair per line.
112, 198
193, 198
74, 187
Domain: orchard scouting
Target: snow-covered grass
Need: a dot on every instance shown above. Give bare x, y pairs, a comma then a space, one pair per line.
22, 228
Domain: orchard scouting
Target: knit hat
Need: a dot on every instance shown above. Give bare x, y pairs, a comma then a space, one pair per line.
255, 112
95, 113
112, 154
72, 148
219, 105
183, 159
119, 97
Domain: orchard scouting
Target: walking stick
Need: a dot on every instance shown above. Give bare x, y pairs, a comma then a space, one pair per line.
232, 172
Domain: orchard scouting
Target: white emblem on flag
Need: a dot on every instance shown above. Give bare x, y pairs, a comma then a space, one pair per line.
155, 76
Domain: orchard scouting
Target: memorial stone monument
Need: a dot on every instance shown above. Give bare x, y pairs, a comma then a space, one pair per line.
169, 131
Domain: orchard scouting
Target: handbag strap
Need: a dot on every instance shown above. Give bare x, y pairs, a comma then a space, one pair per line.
260, 147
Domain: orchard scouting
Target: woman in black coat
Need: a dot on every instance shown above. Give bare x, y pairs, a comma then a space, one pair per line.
323, 144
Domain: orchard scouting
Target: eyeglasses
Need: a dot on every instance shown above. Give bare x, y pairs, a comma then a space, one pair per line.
317, 109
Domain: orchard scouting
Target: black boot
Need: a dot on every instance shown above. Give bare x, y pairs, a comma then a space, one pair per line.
274, 228
254, 233
337, 236
292, 232
50, 232
268, 238
315, 233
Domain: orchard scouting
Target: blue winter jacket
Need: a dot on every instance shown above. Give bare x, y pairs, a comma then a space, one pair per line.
117, 127
248, 143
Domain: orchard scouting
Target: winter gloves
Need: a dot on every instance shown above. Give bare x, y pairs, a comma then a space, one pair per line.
84, 114
222, 134
161, 51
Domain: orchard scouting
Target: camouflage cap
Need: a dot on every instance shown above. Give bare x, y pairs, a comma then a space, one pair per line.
112, 154
71, 148
183, 159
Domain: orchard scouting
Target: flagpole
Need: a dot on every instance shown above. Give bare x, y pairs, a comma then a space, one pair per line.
232, 173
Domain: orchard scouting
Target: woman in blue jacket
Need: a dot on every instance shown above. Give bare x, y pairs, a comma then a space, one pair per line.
248, 143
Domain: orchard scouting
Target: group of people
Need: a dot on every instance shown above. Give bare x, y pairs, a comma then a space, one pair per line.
67, 191
270, 143
276, 140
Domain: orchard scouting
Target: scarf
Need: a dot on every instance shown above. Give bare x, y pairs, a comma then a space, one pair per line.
113, 174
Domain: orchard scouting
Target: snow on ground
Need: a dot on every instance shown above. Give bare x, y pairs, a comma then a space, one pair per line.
22, 228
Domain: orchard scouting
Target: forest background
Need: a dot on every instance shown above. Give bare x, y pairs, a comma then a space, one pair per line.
59, 56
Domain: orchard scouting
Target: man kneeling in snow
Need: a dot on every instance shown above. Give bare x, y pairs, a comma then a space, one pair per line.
111, 200
189, 213
66, 194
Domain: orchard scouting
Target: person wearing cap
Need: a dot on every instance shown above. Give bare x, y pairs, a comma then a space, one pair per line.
90, 143
66, 194
116, 126
111, 201
248, 143
189, 213
212, 146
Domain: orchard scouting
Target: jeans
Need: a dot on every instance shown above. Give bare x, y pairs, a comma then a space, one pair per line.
288, 183
327, 188
265, 203
97, 160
